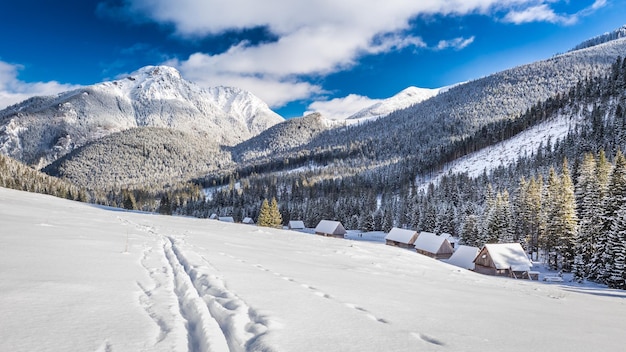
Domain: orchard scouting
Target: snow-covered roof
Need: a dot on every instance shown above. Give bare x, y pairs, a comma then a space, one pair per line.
401, 235
248, 220
429, 242
329, 226
226, 219
464, 257
296, 224
508, 255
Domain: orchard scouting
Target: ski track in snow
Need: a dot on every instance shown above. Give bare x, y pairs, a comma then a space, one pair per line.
209, 317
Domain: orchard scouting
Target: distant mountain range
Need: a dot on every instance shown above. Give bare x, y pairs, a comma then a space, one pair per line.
40, 130
229, 130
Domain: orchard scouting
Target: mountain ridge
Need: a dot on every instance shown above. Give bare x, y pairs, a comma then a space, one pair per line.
42, 129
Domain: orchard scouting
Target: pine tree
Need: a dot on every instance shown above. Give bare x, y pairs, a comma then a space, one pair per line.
470, 234
275, 219
588, 198
549, 236
568, 219
265, 215
129, 201
499, 225
617, 242
604, 262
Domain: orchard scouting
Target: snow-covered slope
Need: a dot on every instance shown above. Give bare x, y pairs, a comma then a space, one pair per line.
507, 152
404, 99
42, 129
78, 277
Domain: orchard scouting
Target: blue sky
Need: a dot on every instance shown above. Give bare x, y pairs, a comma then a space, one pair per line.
289, 53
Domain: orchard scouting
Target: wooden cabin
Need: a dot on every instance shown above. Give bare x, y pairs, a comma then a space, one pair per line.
463, 257
503, 259
330, 228
296, 225
429, 244
401, 238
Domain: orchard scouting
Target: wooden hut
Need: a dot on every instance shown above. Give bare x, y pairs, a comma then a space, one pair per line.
464, 257
248, 221
330, 228
429, 244
401, 238
296, 225
503, 259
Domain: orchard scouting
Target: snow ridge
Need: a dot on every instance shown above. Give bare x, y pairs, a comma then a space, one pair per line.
404, 99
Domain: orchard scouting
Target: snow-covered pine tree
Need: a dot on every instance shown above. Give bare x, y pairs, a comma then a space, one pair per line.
549, 237
617, 242
616, 197
470, 233
568, 218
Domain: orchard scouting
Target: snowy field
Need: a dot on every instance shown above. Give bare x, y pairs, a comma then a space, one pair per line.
77, 277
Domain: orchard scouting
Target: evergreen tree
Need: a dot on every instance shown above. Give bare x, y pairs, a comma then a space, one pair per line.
604, 261
265, 216
617, 242
568, 219
470, 233
129, 201
549, 236
275, 218
165, 205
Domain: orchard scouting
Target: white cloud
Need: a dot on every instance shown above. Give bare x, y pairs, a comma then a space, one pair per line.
456, 43
13, 91
341, 108
544, 13
314, 37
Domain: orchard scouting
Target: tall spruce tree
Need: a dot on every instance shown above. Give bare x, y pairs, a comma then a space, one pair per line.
617, 241
275, 218
616, 197
568, 219
549, 237
264, 214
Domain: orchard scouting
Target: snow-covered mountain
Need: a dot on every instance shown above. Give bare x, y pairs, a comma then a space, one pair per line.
40, 130
408, 97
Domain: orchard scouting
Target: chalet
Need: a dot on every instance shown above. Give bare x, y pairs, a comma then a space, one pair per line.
330, 228
401, 238
429, 244
248, 221
503, 259
226, 219
296, 225
464, 257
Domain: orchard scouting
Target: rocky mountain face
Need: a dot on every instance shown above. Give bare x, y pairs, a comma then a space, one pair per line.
42, 129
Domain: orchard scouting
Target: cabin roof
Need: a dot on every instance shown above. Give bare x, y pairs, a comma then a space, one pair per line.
429, 242
464, 257
401, 235
508, 256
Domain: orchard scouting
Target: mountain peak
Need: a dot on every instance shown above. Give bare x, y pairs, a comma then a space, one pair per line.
156, 71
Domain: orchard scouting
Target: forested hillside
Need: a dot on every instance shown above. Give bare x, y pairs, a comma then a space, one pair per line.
16, 175
417, 141
542, 200
146, 156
